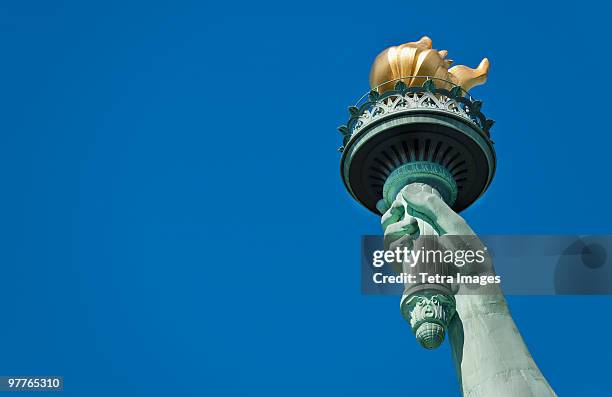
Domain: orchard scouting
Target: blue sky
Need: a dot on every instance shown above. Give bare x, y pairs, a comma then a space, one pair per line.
173, 220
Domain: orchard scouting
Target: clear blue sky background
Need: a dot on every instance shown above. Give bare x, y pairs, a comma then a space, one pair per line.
173, 221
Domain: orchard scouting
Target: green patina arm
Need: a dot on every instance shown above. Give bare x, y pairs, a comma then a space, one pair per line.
490, 356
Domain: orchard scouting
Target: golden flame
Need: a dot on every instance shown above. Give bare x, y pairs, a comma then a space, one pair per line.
419, 59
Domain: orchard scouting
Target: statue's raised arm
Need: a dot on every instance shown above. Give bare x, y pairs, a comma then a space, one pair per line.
490, 355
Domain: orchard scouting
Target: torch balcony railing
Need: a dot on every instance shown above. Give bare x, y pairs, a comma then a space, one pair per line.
434, 95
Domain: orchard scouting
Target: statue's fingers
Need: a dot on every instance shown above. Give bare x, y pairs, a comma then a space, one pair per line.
407, 227
404, 241
401, 243
393, 215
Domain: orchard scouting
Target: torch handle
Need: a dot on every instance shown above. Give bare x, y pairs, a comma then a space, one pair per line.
429, 331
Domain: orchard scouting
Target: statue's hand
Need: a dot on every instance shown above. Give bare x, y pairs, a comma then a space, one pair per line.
424, 202
420, 200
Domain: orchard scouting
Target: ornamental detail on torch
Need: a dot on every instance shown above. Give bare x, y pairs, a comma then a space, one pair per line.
428, 314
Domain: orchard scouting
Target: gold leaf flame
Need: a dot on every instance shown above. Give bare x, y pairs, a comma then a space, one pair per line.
418, 58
